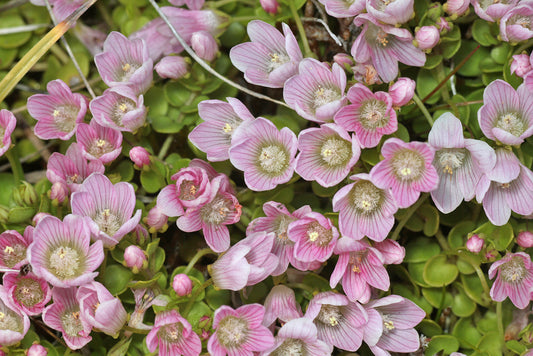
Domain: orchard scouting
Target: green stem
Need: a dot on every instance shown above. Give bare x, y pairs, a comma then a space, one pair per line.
408, 215
301, 286
423, 108
520, 155
243, 18
165, 147
301, 29
16, 167
442, 240
466, 257
195, 295
135, 330
217, 4
499, 316
201, 253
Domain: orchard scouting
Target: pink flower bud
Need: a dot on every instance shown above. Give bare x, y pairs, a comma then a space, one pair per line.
173, 67
343, 60
204, 335
182, 284
402, 91
204, 45
491, 254
270, 6
135, 258
156, 220
38, 217
59, 192
141, 234
521, 65
392, 252
427, 37
443, 25
140, 156
37, 350
456, 7
475, 243
525, 239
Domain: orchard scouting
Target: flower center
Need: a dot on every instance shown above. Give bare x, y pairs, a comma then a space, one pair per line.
356, 260
188, 190
290, 347
2, 133
108, 222
325, 96
232, 331
126, 71
65, 262
217, 211
374, 34
329, 315
171, 333
373, 114
388, 324
512, 123
486, 3
11, 255
71, 322
408, 165
28, 292
121, 107
366, 197
65, 117
524, 21
9, 320
382, 4
450, 159
276, 61
281, 224
336, 151
513, 271
273, 159
319, 235
100, 147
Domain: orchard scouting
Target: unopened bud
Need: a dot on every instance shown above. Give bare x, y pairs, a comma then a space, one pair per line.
475, 243
38, 217
270, 6
37, 350
402, 91
173, 67
140, 156
58, 192
156, 220
521, 65
204, 45
427, 37
135, 258
525, 239
182, 284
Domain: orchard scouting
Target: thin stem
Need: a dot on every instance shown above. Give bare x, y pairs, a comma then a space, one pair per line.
499, 317
16, 166
326, 27
466, 257
201, 62
195, 295
165, 147
26, 28
201, 253
408, 215
423, 108
442, 240
301, 29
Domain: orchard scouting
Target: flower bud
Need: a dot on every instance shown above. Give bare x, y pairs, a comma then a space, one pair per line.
141, 234
156, 220
204, 45
443, 25
427, 37
456, 7
4, 214
58, 192
490, 254
527, 336
525, 239
173, 67
402, 91
270, 6
475, 243
344, 60
38, 217
37, 350
28, 194
182, 284
140, 156
521, 65
135, 258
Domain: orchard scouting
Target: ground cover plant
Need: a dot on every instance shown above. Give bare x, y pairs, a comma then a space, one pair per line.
274, 177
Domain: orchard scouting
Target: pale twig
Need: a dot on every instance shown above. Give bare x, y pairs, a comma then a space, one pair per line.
12, 4
19, 29
323, 23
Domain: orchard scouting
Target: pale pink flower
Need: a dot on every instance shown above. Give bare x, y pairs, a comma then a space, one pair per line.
7, 126
191, 4
280, 304
64, 315
28, 292
427, 37
525, 239
271, 58
13, 248
492, 10
339, 321
59, 192
63, 8
173, 335
392, 13
266, 156
317, 91
360, 267
364, 209
402, 91
391, 251
456, 7
327, 154
342, 8
239, 331
109, 207
97, 142
205, 45
270, 6
140, 156
135, 258
515, 25
156, 220
144, 299
521, 65
15, 324
92, 38
514, 279
182, 284
58, 113
406, 170
173, 67
370, 115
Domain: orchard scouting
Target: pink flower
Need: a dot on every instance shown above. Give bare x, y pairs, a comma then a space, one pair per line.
515, 25
15, 324
521, 65
492, 10
140, 156
360, 267
125, 62
58, 113
456, 7
109, 207
343, 9
391, 251
460, 162
97, 142
344, 60
7, 126
314, 237
182, 284
507, 114
525, 239
270, 6
93, 39
135, 258
299, 336
474, 243
221, 123
385, 45
13, 248
402, 91
427, 37
59, 192
514, 279
156, 220
266, 156
71, 168
271, 58
327, 154
239, 331
220, 209
101, 309
144, 299
173, 335
63, 8
205, 45
406, 170
281, 304
339, 322
37, 350
119, 108
317, 92
391, 322
173, 67
246, 263
191, 4
64, 315
60, 252
28, 292
393, 13
370, 115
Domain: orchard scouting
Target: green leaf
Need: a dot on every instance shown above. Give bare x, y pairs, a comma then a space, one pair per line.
156, 260
481, 31
217, 298
500, 236
125, 170
516, 347
431, 219
491, 343
7, 185
473, 288
421, 250
467, 334
445, 343
472, 67
152, 180
437, 297
120, 348
155, 100
439, 272
145, 284
198, 310
425, 83
457, 235
501, 53
317, 282
432, 61
176, 94
116, 278
429, 328
462, 305
20, 214
323, 192
16, 39
370, 156
416, 271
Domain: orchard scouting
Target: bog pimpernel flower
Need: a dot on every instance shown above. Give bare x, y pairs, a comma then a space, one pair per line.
514, 279
266, 156
317, 92
280, 304
342, 9
14, 324
406, 170
13, 248
28, 292
173, 335
271, 58
492, 10
392, 13
98, 142
7, 125
58, 113
515, 25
